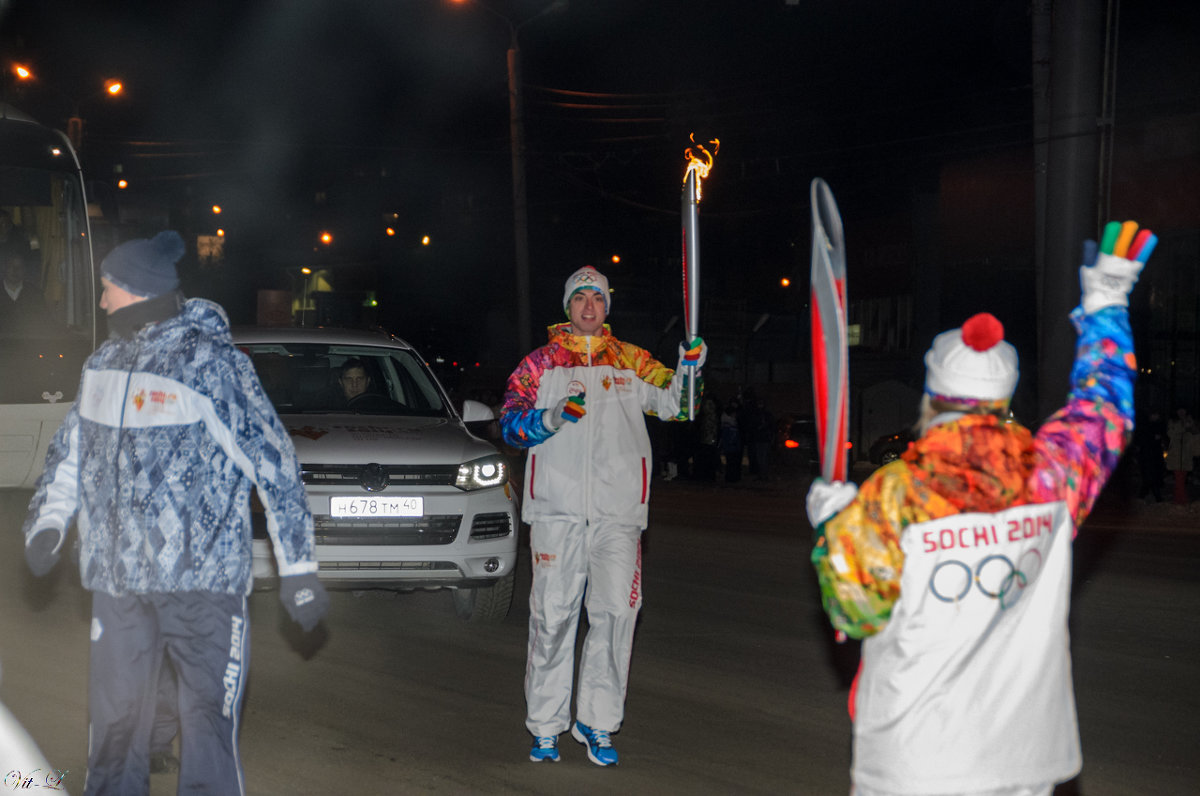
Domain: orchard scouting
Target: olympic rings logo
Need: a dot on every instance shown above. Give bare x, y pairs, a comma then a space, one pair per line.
996, 577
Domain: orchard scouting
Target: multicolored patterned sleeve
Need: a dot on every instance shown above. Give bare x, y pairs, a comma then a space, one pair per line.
520, 421
1078, 448
857, 552
656, 374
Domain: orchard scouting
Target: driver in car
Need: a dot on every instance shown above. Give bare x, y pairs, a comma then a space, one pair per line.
354, 379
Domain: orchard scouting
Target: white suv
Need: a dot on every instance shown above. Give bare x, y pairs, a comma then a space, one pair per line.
403, 495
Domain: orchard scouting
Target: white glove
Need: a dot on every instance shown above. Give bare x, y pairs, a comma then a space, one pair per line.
826, 499
1107, 279
693, 356
1108, 282
566, 409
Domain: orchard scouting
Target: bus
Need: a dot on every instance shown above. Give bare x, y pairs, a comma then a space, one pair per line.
48, 320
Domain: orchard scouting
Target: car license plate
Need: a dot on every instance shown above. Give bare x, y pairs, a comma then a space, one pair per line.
376, 507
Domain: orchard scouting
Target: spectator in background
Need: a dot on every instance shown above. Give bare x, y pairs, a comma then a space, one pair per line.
12, 235
1181, 451
1150, 439
747, 425
731, 441
760, 436
19, 304
708, 433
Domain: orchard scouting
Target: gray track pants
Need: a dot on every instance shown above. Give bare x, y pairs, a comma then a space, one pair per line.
569, 559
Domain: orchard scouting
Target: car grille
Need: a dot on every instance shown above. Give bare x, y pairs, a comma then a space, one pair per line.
432, 529
491, 526
448, 567
397, 474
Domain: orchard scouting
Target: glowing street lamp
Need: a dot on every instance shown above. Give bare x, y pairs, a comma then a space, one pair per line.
307, 272
111, 88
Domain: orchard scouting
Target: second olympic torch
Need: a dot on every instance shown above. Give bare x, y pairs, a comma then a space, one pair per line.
699, 162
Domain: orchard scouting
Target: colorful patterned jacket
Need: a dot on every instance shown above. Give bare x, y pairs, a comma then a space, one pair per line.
156, 459
599, 468
954, 563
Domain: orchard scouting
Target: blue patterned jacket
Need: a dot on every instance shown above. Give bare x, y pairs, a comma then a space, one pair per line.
156, 459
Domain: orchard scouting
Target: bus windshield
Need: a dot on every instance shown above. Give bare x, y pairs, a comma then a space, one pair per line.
48, 310
47, 303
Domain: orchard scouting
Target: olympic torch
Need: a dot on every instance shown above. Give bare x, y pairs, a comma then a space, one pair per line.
699, 161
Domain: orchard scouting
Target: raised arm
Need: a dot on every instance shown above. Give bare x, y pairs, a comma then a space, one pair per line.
1078, 448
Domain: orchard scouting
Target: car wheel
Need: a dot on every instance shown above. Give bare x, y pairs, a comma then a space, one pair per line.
485, 603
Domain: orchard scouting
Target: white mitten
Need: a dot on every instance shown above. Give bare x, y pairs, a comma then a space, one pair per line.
827, 499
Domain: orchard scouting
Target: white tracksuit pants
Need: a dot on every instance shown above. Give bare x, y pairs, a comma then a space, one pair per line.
569, 559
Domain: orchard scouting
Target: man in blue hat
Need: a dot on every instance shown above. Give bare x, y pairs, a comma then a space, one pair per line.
155, 463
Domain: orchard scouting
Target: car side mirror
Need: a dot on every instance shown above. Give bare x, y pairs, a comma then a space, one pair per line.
476, 412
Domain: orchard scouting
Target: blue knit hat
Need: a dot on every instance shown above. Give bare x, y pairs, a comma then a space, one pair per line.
145, 267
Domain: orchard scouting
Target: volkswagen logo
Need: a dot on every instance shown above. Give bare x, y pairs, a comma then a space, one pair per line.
374, 478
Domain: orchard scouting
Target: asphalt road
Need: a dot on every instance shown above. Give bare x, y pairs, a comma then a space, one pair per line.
736, 687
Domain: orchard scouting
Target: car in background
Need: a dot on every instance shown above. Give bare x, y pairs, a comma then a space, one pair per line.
798, 442
403, 495
890, 447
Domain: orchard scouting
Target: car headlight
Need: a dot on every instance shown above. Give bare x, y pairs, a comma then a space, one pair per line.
482, 473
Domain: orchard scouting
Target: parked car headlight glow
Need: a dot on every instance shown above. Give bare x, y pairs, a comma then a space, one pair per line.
482, 473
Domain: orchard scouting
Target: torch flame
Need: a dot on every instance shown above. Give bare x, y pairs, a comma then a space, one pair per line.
699, 160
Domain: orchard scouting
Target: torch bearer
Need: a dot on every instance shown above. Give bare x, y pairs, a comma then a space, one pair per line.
699, 161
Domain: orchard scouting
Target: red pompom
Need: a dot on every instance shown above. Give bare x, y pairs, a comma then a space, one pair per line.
982, 331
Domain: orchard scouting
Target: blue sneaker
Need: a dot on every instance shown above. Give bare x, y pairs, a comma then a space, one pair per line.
599, 745
545, 747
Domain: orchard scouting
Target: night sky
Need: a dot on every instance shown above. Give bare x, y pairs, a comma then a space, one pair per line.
304, 113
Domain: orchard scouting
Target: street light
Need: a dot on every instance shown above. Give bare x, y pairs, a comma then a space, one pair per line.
75, 124
516, 129
306, 272
112, 88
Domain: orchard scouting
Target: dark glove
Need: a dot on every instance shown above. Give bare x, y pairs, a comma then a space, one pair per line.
41, 550
304, 598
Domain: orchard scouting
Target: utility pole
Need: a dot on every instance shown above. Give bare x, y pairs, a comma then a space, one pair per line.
516, 133
1072, 168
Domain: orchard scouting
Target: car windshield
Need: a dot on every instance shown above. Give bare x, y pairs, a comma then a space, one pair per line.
304, 377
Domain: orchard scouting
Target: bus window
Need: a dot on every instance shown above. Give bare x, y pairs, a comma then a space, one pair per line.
48, 296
